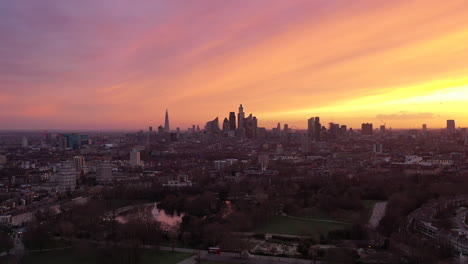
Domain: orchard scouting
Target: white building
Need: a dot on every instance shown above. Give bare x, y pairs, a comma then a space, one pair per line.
66, 177
135, 158
104, 173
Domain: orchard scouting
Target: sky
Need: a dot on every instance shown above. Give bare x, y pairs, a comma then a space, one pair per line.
115, 64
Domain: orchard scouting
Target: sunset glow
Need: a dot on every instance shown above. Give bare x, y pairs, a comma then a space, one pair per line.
119, 64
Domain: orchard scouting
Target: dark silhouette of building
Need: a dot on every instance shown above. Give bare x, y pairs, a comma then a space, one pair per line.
232, 120
450, 127
366, 129
166, 123
212, 126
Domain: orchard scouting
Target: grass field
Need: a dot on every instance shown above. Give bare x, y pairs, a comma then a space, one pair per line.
288, 226
68, 257
350, 216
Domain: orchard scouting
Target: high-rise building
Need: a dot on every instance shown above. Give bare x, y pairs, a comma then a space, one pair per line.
212, 126
232, 120
166, 123
66, 177
451, 127
135, 158
150, 129
240, 117
24, 142
79, 162
104, 172
314, 128
424, 127
366, 129
226, 126
382, 129
250, 126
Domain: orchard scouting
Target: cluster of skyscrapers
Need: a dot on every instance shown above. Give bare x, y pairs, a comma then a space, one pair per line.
244, 128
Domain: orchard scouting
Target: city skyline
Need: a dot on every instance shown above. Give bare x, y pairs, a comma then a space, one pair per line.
120, 65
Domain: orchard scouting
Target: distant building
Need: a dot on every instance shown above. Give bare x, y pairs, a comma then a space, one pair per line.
226, 126
79, 162
240, 117
232, 120
382, 130
212, 126
73, 141
451, 127
167, 128
378, 148
3, 159
66, 177
314, 128
104, 172
135, 158
366, 129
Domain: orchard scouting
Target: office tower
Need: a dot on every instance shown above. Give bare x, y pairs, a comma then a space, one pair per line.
150, 129
310, 127
343, 129
166, 123
232, 120
135, 158
79, 162
424, 127
66, 177
104, 172
240, 117
314, 128
24, 142
250, 127
212, 126
63, 142
318, 129
366, 129
286, 129
382, 129
226, 126
451, 127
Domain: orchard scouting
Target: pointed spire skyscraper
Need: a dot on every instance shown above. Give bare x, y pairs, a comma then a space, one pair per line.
166, 123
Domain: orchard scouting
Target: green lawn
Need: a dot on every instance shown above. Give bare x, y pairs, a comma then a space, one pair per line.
350, 216
69, 257
288, 226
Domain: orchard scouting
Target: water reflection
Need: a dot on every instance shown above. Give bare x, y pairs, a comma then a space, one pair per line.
149, 212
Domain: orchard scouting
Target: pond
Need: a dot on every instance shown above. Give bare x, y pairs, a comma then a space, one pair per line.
150, 212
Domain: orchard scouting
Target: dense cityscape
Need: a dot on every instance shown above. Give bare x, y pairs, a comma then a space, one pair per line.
234, 132
234, 192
